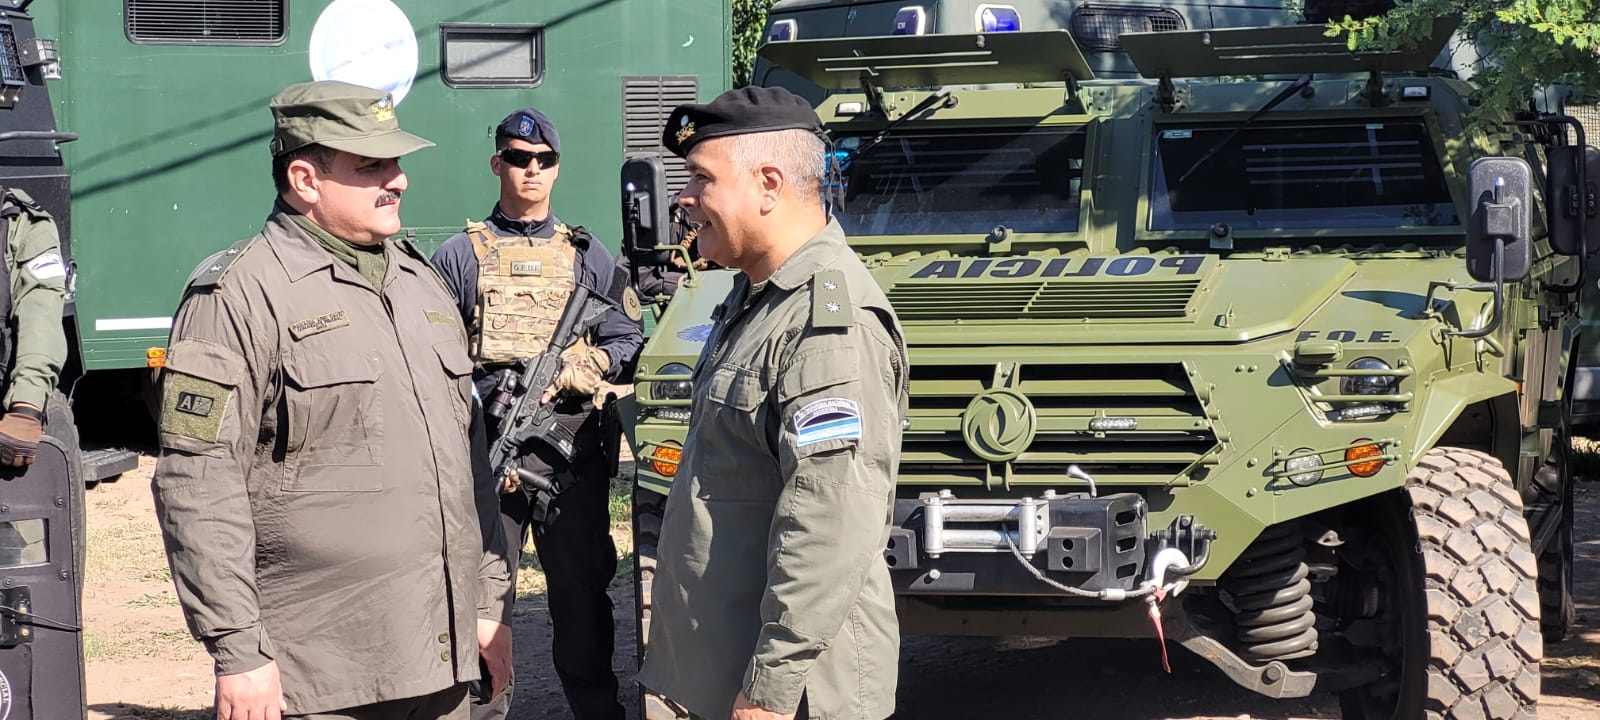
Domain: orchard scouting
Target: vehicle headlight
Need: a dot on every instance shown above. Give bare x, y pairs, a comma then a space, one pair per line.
1300, 468
1370, 384
672, 389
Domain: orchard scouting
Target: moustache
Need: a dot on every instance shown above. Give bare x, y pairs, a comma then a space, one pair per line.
388, 198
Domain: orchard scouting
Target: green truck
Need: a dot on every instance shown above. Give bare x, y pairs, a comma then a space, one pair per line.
169, 102
1262, 346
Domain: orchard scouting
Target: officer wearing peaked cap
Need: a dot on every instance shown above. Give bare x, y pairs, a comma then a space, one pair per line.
794, 437
315, 485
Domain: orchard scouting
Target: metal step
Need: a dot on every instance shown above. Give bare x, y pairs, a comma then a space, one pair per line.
108, 463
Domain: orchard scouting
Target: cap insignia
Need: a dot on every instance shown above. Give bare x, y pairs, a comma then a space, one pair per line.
686, 130
525, 126
383, 109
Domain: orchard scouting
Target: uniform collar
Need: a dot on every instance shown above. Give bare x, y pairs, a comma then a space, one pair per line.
300, 254
816, 254
525, 228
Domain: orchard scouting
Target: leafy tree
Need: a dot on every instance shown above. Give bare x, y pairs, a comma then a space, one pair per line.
1523, 45
749, 19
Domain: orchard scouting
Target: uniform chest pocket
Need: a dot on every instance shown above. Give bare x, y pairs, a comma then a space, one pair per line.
334, 408
730, 455
736, 388
457, 371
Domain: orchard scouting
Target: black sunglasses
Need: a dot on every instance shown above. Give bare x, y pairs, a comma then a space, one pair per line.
520, 158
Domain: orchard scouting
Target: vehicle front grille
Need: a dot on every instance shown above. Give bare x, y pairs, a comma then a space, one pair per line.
1044, 299
1173, 438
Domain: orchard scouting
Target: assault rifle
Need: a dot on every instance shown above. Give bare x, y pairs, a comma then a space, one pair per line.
516, 405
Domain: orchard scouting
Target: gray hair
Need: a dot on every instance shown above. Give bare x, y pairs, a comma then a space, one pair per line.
797, 153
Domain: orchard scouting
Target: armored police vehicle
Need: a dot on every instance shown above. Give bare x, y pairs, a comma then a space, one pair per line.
1261, 350
41, 505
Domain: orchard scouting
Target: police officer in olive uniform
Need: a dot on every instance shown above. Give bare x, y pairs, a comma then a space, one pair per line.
316, 481
512, 276
771, 592
32, 342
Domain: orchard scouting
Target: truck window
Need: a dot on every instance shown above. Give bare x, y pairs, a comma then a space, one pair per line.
962, 182
1374, 174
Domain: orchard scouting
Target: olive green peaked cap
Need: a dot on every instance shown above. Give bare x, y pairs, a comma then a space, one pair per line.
341, 116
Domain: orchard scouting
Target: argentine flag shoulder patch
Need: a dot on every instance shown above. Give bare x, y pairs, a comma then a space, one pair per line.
827, 419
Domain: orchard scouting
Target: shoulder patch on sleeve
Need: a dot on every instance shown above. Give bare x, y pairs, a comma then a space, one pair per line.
830, 300
196, 387
47, 266
211, 270
827, 419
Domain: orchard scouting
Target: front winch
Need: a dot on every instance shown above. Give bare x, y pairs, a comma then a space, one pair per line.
942, 544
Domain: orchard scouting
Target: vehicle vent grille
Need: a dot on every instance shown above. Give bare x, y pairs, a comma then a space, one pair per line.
646, 103
1173, 435
206, 22
1047, 299
1097, 27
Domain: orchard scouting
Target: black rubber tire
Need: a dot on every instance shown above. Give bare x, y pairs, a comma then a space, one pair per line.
1469, 599
647, 511
59, 424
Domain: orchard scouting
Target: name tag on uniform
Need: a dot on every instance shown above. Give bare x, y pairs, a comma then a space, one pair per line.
303, 329
527, 267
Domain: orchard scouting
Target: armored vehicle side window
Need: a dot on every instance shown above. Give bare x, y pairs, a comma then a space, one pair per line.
1314, 176
491, 55
963, 182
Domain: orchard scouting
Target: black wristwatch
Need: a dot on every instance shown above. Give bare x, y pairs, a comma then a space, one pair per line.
27, 411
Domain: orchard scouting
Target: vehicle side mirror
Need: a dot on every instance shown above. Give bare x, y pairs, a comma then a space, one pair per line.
1500, 190
1567, 200
646, 214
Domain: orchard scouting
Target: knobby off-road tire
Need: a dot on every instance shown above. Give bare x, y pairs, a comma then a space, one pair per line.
647, 511
1469, 599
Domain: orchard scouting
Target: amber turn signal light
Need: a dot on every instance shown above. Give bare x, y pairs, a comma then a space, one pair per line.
1362, 452
664, 458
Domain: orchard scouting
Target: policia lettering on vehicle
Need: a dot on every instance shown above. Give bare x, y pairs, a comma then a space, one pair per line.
316, 485
771, 597
513, 276
40, 549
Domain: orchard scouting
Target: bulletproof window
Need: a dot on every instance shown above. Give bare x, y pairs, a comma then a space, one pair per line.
961, 182
647, 100
1355, 174
206, 22
22, 543
479, 55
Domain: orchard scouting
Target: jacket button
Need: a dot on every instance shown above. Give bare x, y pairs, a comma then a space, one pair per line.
445, 656
444, 637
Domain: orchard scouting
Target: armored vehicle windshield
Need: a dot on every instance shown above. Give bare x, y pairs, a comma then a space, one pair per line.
1290, 175
937, 182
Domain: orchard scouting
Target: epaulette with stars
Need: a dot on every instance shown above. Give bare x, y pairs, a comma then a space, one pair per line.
830, 300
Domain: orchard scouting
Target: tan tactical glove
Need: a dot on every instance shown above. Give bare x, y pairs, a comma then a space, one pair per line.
20, 432
582, 368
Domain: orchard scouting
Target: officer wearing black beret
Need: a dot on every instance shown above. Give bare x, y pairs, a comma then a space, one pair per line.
771, 597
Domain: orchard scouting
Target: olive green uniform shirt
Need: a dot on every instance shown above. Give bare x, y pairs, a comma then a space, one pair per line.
38, 292
771, 579
316, 481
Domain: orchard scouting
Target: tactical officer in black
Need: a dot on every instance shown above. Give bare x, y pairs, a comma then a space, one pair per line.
512, 276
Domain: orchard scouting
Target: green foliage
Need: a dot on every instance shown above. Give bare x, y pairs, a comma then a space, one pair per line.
749, 19
1523, 45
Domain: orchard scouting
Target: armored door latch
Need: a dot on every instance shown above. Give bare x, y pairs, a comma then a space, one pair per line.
15, 603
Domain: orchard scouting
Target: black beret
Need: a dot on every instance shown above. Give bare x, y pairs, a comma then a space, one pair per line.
531, 125
737, 112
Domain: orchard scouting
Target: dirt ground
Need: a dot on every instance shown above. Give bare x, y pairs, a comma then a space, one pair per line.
142, 663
